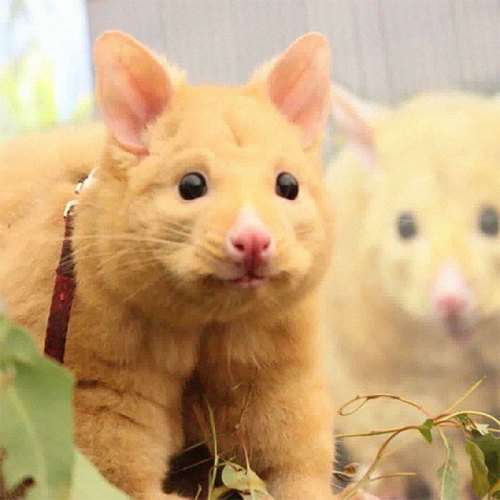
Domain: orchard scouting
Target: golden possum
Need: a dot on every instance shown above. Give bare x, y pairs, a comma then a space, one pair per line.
199, 248
414, 291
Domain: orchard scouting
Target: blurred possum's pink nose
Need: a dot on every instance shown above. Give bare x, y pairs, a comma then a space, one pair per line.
451, 305
249, 241
451, 295
251, 246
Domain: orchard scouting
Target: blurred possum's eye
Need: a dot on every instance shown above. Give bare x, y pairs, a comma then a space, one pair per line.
407, 225
193, 185
287, 186
488, 221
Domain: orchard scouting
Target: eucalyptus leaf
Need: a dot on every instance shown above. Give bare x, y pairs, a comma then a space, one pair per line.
36, 426
480, 483
425, 430
490, 447
89, 484
238, 478
483, 429
449, 488
35, 417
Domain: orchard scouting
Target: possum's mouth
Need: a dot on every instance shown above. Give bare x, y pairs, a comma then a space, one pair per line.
244, 281
248, 280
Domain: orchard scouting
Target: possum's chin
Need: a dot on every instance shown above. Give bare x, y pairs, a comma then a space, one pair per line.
228, 298
465, 327
471, 328
459, 328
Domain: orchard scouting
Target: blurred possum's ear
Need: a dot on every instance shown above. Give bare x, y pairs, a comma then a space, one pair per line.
132, 88
353, 118
299, 84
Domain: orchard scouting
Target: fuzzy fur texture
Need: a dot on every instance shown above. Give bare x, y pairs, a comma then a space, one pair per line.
437, 156
150, 313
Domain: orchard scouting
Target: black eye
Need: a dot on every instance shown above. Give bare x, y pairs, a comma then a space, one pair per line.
193, 185
287, 186
488, 221
407, 225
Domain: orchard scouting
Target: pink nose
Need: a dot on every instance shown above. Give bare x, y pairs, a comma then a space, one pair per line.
451, 304
252, 246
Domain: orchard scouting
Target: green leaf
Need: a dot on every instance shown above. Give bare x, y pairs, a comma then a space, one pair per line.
490, 447
36, 425
88, 483
480, 483
425, 430
238, 478
449, 488
35, 416
483, 429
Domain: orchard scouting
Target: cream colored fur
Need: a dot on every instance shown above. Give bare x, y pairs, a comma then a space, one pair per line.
149, 314
438, 156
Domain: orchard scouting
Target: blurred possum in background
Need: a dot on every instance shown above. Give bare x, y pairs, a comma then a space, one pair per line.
413, 296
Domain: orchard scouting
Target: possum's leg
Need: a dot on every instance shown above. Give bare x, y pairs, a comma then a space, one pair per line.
290, 430
279, 411
129, 440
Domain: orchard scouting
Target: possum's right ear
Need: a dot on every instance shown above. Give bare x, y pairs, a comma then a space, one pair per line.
352, 116
132, 88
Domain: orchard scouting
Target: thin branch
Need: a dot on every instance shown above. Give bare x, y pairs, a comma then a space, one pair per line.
466, 395
394, 474
367, 397
350, 492
367, 434
213, 473
245, 405
190, 466
487, 416
198, 493
195, 445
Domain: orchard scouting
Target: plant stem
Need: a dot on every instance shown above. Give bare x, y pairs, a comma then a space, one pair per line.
447, 418
466, 395
367, 397
350, 492
213, 473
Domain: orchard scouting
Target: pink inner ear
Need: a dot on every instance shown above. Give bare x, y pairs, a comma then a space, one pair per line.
347, 112
132, 88
299, 84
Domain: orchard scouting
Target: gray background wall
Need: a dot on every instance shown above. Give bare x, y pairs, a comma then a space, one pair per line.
383, 49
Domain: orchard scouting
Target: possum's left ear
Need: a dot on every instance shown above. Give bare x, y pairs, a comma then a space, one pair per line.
299, 84
132, 88
354, 119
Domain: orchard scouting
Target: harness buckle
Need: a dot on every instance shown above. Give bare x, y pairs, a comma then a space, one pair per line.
69, 208
84, 182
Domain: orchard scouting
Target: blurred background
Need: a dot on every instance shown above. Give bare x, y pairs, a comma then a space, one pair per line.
45, 76
384, 50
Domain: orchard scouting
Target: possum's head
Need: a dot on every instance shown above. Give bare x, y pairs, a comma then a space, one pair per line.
212, 194
430, 234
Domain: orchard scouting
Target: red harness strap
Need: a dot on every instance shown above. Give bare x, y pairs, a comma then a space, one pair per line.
62, 296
